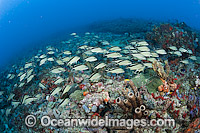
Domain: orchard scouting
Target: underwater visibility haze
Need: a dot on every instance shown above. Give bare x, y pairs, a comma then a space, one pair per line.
99, 59
25, 23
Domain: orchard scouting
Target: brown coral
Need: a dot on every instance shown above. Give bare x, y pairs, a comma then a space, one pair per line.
132, 103
164, 76
159, 69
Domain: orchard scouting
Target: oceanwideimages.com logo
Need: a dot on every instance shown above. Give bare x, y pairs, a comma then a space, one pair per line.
46, 121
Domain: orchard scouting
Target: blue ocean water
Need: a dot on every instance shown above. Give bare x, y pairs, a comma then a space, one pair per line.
24, 24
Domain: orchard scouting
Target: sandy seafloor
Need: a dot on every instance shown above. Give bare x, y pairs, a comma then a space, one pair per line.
152, 74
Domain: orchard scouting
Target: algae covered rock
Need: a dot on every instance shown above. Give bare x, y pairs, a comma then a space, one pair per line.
153, 84
139, 80
77, 95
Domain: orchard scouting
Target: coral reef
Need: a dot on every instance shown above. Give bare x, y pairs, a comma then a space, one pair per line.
153, 75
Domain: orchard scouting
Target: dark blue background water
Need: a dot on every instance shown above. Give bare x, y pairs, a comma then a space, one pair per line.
25, 23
